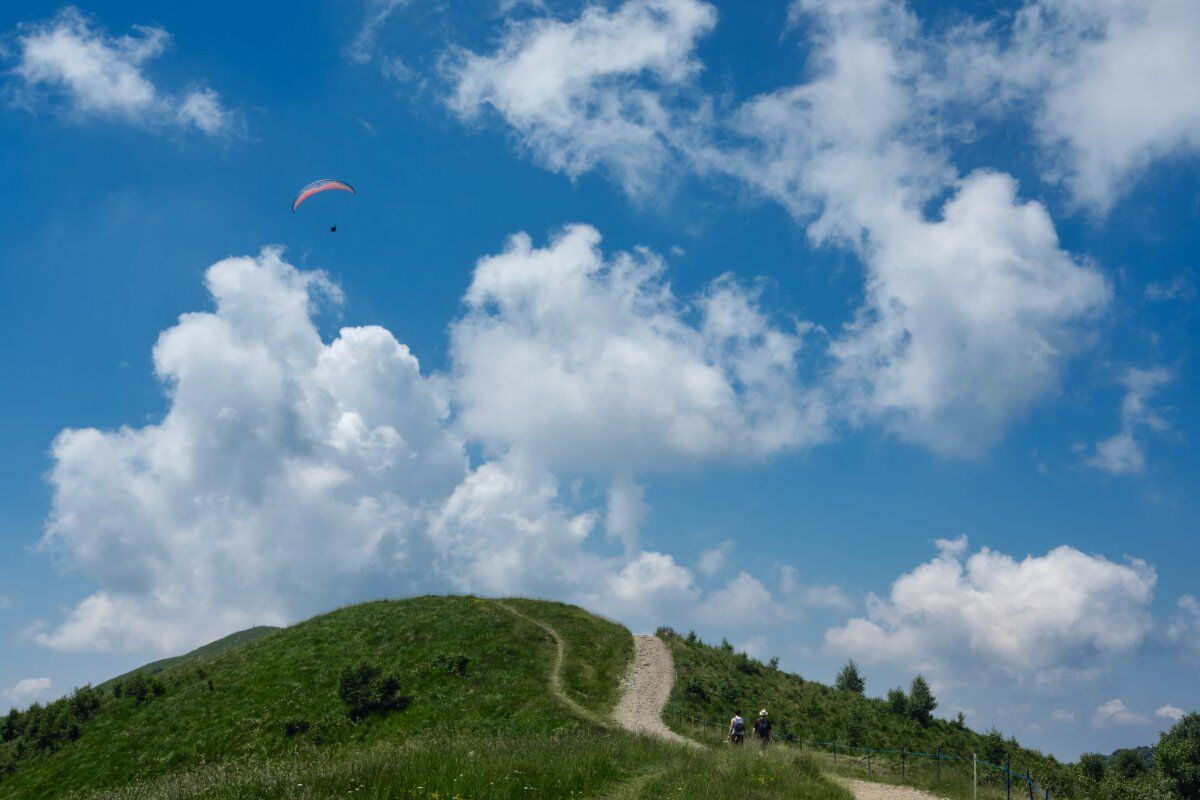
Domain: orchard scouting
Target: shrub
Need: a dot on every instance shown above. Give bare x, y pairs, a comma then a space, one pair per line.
773, 664
455, 664
897, 703
666, 632
726, 645
692, 638
856, 729
85, 703
296, 726
994, 748
849, 679
366, 690
1129, 765
747, 665
694, 689
921, 702
959, 721
1178, 756
330, 728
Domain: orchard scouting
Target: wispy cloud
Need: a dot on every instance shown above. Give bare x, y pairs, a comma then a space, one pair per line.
70, 57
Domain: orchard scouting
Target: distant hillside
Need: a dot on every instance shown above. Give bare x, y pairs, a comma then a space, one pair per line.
210, 649
713, 680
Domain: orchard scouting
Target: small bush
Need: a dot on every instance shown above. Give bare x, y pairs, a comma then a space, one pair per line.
747, 665
330, 728
1091, 767
455, 664
692, 638
897, 703
666, 632
726, 645
694, 689
366, 690
296, 726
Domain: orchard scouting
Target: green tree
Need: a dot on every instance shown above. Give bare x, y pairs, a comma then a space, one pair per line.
850, 680
921, 701
1178, 756
994, 748
897, 702
1091, 766
1129, 765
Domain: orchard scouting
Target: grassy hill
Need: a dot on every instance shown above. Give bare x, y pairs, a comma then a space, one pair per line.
715, 679
461, 708
210, 649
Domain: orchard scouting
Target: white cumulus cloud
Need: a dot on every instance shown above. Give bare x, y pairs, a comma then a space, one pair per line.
1170, 712
570, 88
1063, 715
27, 691
100, 75
588, 363
283, 467
1039, 619
1115, 713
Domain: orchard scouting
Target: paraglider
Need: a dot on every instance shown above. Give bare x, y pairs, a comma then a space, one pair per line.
316, 187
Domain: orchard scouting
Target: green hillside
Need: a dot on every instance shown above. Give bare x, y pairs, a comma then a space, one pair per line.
210, 649
454, 701
713, 680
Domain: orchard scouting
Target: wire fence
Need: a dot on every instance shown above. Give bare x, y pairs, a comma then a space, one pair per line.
879, 761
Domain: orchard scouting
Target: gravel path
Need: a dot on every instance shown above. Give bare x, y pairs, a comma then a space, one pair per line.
646, 688
864, 790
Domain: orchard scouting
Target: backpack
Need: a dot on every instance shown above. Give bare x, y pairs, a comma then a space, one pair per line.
739, 725
762, 726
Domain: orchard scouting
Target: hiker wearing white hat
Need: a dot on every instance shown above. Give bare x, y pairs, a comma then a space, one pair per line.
762, 729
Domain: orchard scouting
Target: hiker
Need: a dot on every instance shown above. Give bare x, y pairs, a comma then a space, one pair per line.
737, 728
762, 729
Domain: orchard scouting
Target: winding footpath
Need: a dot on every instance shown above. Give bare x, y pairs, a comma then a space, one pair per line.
646, 690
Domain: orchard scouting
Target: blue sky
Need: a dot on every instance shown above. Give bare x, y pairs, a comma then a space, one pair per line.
808, 293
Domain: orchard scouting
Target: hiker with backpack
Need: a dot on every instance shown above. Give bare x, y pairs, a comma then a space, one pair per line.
762, 729
737, 728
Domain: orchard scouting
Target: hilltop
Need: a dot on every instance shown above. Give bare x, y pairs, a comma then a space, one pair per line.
448, 697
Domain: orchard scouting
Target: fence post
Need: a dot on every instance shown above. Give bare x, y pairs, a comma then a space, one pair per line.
868, 761
835, 751
903, 763
974, 777
1029, 781
1007, 778
939, 765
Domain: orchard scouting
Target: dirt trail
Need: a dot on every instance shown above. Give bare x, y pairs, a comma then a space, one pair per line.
556, 684
865, 790
646, 688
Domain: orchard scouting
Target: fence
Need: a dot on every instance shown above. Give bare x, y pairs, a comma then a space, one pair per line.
1012, 781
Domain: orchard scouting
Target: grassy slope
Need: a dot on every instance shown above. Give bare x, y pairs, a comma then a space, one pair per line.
809, 710
210, 649
495, 734
294, 673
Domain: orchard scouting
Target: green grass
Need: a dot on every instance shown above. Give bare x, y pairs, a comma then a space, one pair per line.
294, 673
814, 711
597, 765
211, 649
742, 773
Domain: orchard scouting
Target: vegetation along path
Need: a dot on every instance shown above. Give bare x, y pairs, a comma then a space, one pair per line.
556, 669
